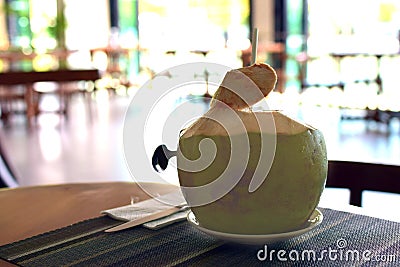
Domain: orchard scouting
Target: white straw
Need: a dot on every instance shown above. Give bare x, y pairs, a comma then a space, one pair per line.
254, 45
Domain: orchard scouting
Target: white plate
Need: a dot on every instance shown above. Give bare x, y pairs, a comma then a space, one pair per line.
315, 219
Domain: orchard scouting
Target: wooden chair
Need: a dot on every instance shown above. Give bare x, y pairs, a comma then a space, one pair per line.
360, 176
10, 100
63, 91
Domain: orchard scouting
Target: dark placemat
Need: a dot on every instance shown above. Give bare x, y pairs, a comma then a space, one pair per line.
341, 240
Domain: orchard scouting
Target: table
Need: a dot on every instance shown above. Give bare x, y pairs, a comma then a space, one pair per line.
114, 56
372, 114
62, 205
85, 243
28, 78
11, 57
377, 114
378, 79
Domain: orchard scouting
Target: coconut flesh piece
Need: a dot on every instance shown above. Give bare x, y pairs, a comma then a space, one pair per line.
244, 87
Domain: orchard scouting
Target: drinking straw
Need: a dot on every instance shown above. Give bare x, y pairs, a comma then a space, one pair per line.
254, 45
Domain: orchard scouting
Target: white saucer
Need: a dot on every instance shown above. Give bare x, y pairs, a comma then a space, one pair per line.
315, 219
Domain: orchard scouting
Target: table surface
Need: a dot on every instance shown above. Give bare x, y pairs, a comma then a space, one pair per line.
28, 211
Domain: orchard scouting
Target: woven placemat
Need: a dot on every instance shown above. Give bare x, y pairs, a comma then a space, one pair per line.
341, 240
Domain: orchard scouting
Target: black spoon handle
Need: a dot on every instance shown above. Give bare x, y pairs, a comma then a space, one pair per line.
161, 157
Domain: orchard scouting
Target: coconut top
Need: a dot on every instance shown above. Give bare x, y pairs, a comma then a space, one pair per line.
241, 88
220, 121
230, 112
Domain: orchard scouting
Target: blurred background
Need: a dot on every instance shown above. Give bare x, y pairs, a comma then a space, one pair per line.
337, 62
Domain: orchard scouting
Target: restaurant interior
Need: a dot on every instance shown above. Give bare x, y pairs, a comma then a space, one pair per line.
337, 71
96, 94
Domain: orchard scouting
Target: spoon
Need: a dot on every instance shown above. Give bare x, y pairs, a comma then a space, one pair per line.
161, 157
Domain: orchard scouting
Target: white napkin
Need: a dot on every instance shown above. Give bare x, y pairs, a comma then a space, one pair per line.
144, 208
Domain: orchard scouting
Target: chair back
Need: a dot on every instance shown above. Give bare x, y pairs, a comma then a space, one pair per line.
7, 174
360, 176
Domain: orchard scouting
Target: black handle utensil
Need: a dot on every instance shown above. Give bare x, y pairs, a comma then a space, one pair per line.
161, 157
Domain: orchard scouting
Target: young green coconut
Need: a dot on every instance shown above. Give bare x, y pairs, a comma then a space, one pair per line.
248, 172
